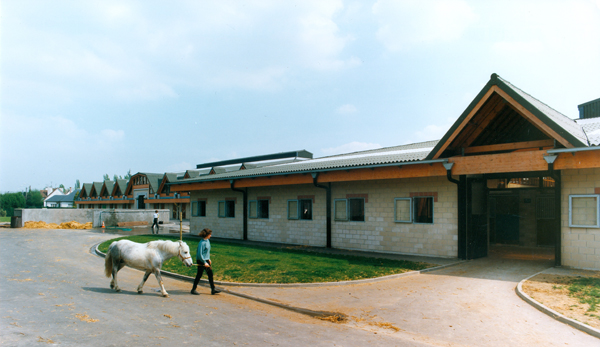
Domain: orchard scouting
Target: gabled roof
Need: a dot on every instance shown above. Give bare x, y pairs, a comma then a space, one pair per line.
154, 180
167, 177
85, 190
62, 198
96, 188
120, 184
107, 188
499, 96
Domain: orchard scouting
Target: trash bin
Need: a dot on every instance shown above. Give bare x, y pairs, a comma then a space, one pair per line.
16, 222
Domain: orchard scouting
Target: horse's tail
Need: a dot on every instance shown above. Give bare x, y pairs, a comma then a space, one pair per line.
108, 261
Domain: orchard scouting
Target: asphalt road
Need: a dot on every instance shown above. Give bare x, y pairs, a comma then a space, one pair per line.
53, 291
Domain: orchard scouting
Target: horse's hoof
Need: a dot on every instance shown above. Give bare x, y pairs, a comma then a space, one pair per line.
140, 291
165, 295
118, 289
112, 286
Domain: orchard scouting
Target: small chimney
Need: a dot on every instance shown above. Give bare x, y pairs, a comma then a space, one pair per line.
590, 109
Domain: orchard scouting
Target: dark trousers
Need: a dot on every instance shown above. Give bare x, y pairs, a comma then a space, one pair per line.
153, 224
209, 272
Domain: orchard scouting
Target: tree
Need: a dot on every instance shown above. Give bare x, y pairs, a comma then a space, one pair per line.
62, 187
75, 198
117, 177
128, 176
77, 184
10, 201
34, 199
106, 178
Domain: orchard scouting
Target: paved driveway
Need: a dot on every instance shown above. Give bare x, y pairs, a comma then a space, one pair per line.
473, 304
52, 290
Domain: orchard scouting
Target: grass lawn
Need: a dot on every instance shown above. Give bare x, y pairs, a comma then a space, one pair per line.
4, 219
256, 264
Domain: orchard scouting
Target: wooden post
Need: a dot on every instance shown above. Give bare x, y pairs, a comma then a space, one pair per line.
180, 227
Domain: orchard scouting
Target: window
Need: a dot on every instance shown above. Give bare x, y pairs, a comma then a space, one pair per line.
227, 209
423, 209
352, 209
583, 211
252, 209
300, 209
341, 209
402, 211
292, 209
199, 208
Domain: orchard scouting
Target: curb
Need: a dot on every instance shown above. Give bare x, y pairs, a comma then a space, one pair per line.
550, 312
317, 314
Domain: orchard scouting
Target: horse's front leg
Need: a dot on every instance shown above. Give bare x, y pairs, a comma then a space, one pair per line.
139, 289
160, 283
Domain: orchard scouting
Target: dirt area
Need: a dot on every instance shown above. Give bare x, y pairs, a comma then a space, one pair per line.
66, 225
552, 291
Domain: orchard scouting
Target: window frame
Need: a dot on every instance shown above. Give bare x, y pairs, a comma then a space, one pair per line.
335, 202
597, 196
196, 208
410, 210
260, 208
297, 217
298, 209
250, 214
414, 210
224, 213
348, 217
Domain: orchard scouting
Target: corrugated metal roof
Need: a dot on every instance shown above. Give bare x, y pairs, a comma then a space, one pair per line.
389, 155
560, 119
591, 127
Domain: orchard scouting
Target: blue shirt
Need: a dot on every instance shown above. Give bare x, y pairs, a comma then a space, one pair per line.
203, 252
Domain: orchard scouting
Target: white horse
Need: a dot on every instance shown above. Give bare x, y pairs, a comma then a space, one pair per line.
147, 257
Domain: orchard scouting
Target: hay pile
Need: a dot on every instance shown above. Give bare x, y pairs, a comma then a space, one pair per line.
65, 225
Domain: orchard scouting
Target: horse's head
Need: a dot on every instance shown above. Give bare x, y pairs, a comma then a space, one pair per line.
184, 254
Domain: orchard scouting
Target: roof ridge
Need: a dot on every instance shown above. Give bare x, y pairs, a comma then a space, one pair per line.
378, 149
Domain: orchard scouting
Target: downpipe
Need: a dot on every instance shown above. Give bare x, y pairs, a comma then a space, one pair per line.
327, 188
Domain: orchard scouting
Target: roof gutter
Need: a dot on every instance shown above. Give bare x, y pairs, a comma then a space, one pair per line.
315, 171
573, 150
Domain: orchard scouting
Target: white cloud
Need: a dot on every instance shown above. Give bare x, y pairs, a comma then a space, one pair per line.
406, 23
351, 147
346, 109
434, 131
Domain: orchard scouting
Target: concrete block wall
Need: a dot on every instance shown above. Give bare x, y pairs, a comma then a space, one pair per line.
231, 228
381, 233
278, 228
580, 247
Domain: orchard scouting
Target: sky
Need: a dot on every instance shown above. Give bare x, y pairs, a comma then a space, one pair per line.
89, 88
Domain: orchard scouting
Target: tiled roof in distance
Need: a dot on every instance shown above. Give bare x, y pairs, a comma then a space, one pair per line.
591, 127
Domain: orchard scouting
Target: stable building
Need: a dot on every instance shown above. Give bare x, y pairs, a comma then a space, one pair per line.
511, 170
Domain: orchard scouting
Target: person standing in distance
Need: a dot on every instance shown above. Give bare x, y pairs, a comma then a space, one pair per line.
204, 262
155, 221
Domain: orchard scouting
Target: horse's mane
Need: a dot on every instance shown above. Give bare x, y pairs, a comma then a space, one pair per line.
164, 245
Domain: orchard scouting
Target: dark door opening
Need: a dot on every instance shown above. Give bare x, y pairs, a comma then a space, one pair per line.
141, 205
504, 211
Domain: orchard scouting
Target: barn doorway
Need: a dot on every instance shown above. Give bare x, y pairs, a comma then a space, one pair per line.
511, 210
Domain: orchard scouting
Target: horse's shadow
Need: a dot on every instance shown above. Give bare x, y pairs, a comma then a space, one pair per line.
150, 291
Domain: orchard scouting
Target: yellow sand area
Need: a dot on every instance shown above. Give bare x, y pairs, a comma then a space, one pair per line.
65, 225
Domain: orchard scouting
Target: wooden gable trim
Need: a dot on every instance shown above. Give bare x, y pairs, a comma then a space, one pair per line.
533, 119
499, 163
465, 121
509, 146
